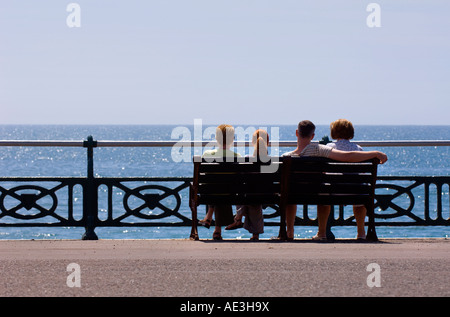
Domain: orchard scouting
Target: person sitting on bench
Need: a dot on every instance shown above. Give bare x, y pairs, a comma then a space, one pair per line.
305, 134
223, 213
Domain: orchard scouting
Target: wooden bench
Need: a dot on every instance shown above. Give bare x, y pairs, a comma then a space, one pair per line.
292, 180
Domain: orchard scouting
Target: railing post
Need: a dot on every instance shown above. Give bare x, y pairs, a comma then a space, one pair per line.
90, 203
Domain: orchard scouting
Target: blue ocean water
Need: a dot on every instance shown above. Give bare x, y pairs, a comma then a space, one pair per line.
140, 161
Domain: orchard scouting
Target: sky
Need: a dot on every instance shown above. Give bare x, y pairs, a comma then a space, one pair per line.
224, 61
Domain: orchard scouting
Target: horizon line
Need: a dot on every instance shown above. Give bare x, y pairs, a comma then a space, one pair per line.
203, 123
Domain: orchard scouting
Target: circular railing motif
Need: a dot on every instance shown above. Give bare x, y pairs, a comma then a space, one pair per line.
392, 200
151, 201
28, 197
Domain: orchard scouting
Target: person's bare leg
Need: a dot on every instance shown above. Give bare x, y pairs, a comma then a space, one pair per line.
323, 212
217, 235
291, 211
237, 219
360, 217
206, 222
209, 214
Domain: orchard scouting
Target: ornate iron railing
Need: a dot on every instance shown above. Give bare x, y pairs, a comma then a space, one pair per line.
92, 202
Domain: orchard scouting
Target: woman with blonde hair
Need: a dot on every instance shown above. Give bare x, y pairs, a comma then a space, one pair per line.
254, 219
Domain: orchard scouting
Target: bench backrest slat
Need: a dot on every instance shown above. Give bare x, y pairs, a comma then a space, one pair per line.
236, 178
330, 178
303, 166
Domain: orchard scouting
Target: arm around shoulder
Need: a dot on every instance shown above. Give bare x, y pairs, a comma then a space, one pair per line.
357, 156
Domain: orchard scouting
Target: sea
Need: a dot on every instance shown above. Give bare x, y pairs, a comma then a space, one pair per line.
160, 162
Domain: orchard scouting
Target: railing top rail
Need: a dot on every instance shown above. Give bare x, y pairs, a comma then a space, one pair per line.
187, 143
41, 143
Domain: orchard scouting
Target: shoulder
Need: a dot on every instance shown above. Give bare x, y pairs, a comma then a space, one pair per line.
324, 150
315, 149
210, 153
291, 153
229, 153
346, 145
221, 153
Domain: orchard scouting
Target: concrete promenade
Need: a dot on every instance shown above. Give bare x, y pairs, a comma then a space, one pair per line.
234, 268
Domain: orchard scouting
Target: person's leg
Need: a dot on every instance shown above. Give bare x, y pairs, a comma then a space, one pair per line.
223, 214
240, 212
254, 221
206, 222
217, 235
291, 211
360, 217
323, 211
209, 214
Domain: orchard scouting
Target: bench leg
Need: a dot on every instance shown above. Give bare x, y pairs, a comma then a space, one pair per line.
194, 232
282, 235
371, 232
330, 234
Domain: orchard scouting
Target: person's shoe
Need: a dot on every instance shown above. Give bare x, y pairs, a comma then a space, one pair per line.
361, 238
254, 238
317, 238
235, 225
205, 223
217, 236
280, 239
